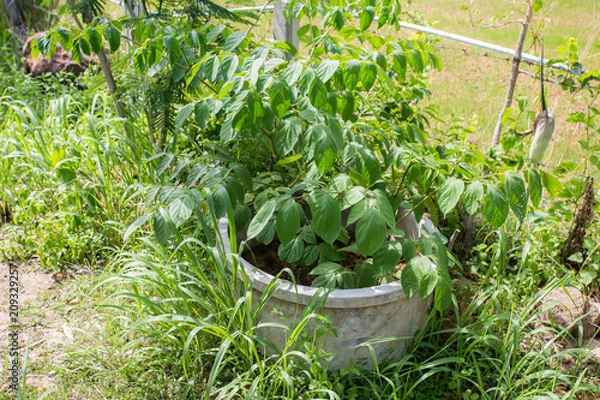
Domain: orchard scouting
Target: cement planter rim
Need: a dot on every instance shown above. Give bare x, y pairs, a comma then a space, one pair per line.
337, 298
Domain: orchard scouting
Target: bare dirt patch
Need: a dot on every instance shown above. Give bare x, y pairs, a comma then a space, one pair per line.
41, 328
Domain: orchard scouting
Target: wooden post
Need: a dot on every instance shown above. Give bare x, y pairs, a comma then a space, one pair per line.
285, 29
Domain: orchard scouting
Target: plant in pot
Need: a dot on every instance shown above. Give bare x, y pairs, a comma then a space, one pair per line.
323, 162
344, 164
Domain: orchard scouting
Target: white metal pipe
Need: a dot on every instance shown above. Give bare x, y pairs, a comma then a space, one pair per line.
485, 45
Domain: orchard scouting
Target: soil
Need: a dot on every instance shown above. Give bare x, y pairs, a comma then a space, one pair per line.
265, 257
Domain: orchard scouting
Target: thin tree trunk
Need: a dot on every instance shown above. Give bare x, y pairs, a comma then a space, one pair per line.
110, 80
514, 73
16, 16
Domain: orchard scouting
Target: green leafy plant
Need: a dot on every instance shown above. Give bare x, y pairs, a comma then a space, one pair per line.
335, 148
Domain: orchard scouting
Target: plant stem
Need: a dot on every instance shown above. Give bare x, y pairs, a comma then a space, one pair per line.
108, 77
514, 73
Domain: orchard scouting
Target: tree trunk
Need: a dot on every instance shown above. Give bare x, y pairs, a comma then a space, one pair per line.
514, 73
16, 15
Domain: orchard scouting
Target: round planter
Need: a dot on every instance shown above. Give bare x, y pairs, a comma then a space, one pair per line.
358, 316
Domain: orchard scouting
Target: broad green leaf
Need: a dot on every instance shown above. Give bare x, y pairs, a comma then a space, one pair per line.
183, 114
286, 135
180, 210
368, 75
537, 5
221, 200
495, 206
338, 19
162, 228
551, 183
261, 219
202, 114
516, 193
318, 94
366, 17
233, 41
95, 39
386, 257
443, 293
291, 251
326, 268
363, 276
352, 74
535, 186
346, 105
287, 220
472, 196
370, 166
229, 66
281, 97
326, 216
173, 48
326, 69
113, 37
429, 278
399, 65
370, 231
353, 196
449, 194
242, 217
358, 210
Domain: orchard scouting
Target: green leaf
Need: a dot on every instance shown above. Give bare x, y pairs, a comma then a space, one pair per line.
386, 257
318, 94
326, 69
368, 75
95, 39
450, 193
326, 268
234, 40
535, 186
326, 216
399, 64
537, 5
370, 231
180, 210
113, 37
443, 293
291, 251
286, 135
366, 17
516, 193
162, 228
221, 200
287, 220
346, 105
413, 273
495, 207
353, 196
261, 219
173, 48
183, 114
280, 97
472, 196
352, 74
551, 183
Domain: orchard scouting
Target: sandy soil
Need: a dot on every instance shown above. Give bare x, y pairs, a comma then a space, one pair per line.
41, 331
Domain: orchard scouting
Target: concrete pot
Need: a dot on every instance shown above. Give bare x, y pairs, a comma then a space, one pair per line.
357, 315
